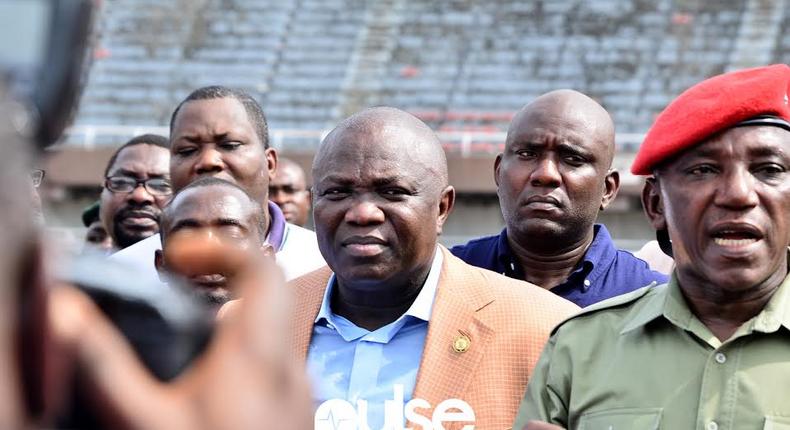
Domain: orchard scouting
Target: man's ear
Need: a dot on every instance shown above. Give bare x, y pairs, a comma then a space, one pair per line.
267, 250
497, 163
652, 204
446, 204
611, 186
271, 162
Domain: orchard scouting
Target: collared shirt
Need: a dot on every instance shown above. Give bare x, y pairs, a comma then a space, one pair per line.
296, 249
351, 363
604, 272
644, 361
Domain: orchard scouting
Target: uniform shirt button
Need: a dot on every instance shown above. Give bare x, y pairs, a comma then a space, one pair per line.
720, 358
712, 426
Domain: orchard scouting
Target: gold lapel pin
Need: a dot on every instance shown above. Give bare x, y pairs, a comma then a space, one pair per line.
461, 343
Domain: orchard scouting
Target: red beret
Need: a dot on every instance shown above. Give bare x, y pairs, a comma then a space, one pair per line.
714, 105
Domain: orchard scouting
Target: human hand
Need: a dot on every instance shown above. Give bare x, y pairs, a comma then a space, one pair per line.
243, 380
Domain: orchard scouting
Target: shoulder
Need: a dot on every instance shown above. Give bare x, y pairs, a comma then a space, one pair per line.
528, 300
142, 249
299, 253
296, 235
639, 267
475, 245
609, 315
512, 300
311, 281
140, 256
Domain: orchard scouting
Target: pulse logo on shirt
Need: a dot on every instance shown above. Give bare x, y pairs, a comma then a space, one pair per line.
339, 414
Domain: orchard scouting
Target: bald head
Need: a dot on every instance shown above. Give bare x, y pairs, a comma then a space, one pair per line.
559, 149
390, 129
570, 107
380, 199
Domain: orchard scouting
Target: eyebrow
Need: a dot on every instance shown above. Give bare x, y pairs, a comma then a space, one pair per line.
763, 151
564, 146
193, 223
221, 137
378, 182
195, 138
184, 223
130, 173
760, 151
229, 222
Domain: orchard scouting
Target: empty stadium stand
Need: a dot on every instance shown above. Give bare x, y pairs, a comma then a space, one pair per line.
462, 65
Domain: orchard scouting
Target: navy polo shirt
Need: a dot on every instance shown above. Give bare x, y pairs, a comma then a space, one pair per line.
604, 272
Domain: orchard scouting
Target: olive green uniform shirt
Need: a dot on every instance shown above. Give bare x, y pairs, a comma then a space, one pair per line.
644, 361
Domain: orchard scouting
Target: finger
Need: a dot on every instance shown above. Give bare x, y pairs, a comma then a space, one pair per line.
260, 322
203, 253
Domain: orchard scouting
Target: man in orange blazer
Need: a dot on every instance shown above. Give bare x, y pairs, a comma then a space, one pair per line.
396, 330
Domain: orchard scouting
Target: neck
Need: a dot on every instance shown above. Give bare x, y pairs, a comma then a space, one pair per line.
724, 311
374, 304
544, 263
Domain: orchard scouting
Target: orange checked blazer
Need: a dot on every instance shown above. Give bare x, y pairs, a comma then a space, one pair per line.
506, 321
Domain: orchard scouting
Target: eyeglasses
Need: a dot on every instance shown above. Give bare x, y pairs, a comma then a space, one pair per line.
37, 175
125, 184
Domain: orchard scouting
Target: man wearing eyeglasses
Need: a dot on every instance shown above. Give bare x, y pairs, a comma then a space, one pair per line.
136, 188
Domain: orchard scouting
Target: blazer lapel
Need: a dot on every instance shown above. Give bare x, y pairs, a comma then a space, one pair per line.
308, 295
446, 364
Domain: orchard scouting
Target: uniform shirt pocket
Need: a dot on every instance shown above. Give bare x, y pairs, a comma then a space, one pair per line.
622, 419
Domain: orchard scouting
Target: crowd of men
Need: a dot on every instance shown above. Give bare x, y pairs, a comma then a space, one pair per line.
392, 330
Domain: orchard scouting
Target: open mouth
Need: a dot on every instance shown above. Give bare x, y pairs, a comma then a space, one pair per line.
736, 236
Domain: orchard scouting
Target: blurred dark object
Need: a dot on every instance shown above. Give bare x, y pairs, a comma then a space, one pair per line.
43, 50
90, 214
167, 327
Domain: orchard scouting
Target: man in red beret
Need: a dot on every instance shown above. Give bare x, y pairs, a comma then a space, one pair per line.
711, 348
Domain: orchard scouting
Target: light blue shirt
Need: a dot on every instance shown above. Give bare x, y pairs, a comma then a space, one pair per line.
351, 363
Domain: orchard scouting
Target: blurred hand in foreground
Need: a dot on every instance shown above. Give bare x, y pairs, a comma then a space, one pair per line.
244, 379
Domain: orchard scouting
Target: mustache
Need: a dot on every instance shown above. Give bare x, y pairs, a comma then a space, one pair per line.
138, 212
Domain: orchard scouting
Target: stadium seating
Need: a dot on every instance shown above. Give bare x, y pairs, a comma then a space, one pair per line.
459, 64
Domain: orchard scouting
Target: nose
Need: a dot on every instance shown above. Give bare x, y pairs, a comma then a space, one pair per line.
546, 173
364, 212
140, 195
210, 160
737, 192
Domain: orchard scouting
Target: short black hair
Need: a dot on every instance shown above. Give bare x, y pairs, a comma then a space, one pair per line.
211, 181
251, 106
145, 139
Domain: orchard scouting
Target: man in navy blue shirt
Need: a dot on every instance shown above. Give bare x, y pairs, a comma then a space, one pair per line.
553, 178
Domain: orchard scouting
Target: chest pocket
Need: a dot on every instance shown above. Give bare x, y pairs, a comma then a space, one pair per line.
776, 423
622, 419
